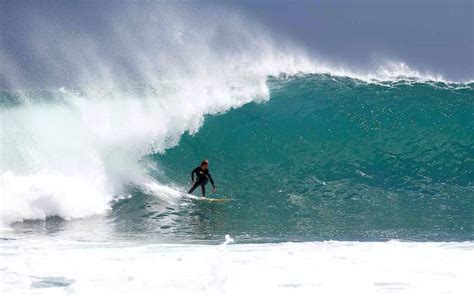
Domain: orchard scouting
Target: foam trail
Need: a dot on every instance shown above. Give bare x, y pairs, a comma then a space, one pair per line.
364, 268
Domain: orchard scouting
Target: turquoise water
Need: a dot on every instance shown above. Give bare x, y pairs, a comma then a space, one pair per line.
330, 158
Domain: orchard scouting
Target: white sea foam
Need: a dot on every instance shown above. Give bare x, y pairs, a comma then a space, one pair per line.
312, 268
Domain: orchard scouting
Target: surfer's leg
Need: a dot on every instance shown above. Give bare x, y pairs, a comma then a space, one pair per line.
194, 187
203, 188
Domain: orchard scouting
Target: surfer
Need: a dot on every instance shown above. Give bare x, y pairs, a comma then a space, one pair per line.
202, 177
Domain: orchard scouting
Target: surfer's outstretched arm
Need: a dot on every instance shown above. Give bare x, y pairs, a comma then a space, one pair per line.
212, 181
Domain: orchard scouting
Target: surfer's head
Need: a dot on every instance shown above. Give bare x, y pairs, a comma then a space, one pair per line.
204, 164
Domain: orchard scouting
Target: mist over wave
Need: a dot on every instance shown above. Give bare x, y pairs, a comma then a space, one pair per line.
74, 129
135, 86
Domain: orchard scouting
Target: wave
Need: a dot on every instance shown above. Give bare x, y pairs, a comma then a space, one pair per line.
330, 157
132, 90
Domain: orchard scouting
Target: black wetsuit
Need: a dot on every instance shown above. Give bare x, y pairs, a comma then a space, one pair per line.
202, 176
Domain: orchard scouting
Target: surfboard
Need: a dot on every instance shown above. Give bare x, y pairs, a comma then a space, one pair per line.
207, 199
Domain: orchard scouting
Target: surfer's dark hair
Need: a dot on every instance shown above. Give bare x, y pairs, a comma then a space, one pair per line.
205, 161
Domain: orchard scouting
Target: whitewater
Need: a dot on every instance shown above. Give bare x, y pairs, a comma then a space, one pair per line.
350, 180
332, 268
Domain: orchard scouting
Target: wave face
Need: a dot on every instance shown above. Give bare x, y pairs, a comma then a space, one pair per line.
330, 157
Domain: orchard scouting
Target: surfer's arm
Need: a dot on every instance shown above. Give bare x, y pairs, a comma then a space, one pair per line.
192, 175
212, 181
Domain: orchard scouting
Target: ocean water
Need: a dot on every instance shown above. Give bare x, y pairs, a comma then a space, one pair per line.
371, 183
321, 158
338, 181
